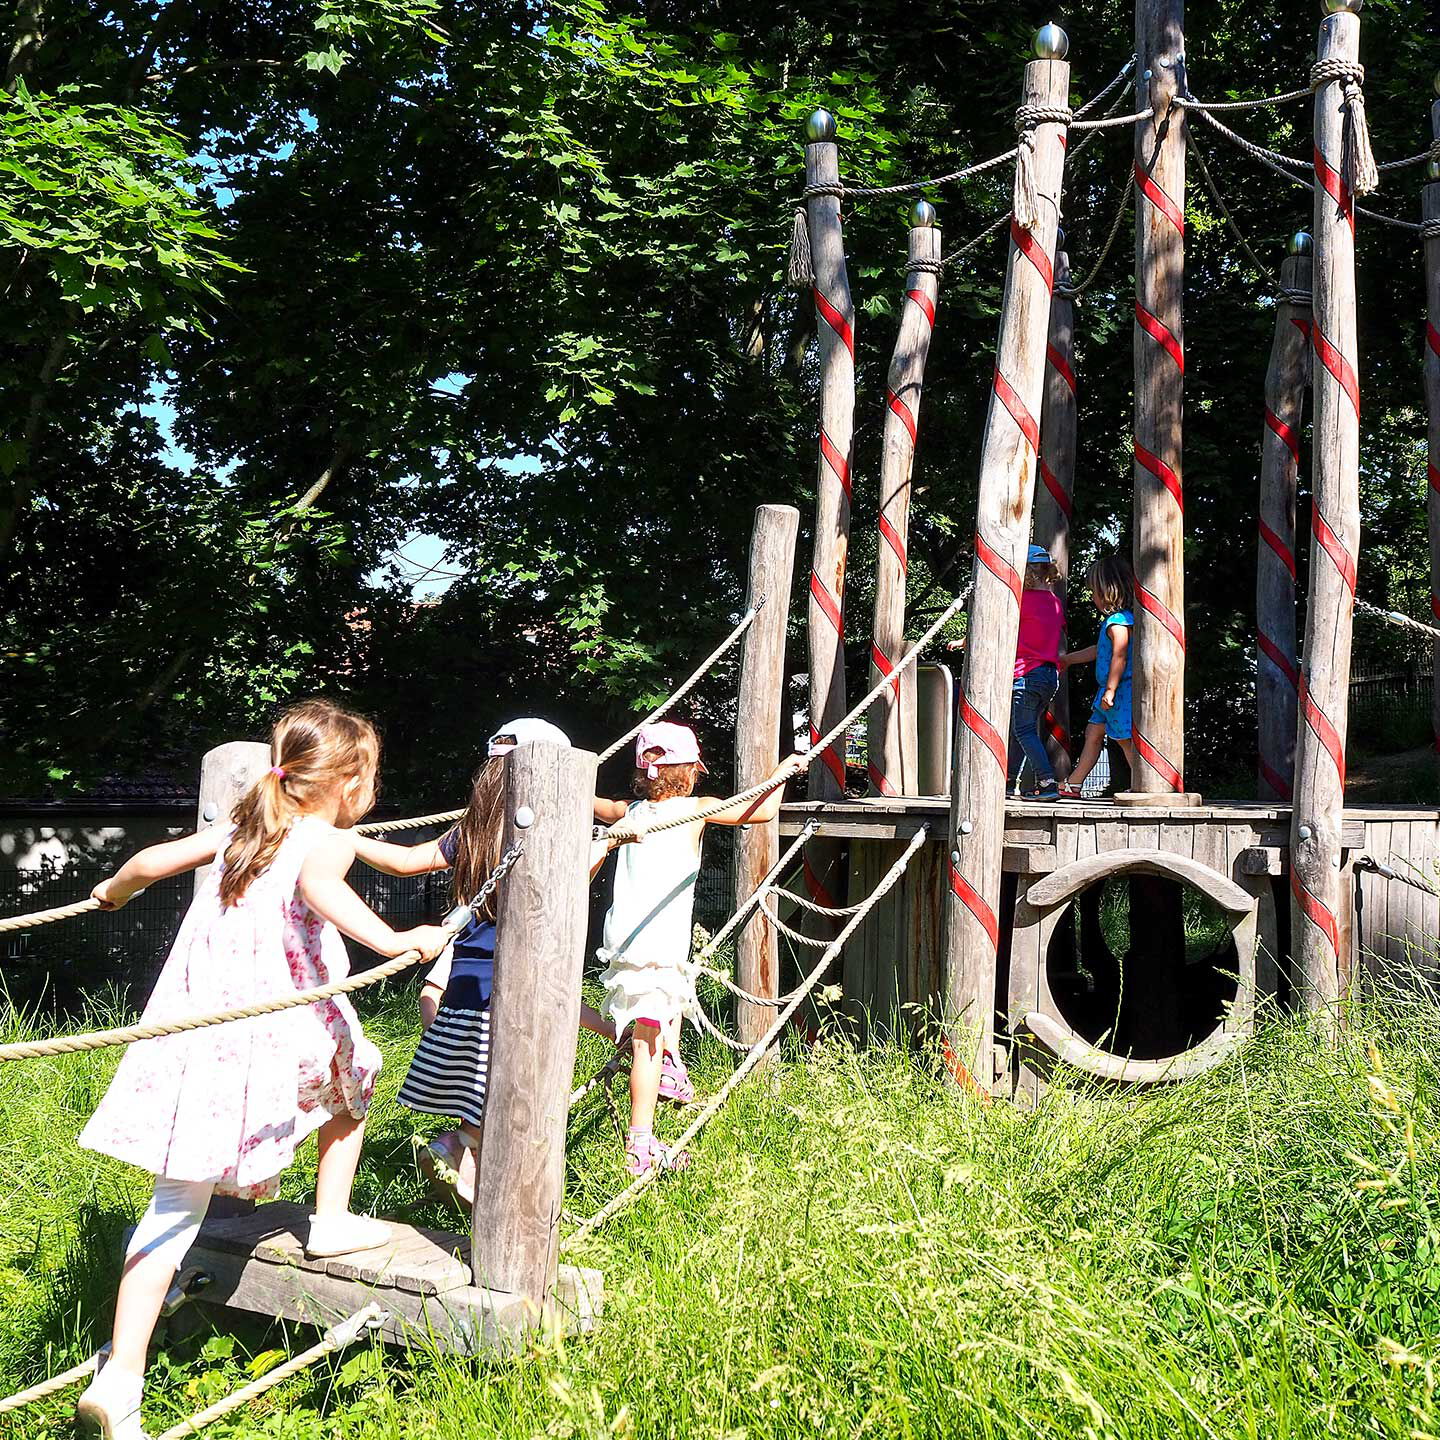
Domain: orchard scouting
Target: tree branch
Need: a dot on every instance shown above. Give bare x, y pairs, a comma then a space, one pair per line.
337, 463
211, 65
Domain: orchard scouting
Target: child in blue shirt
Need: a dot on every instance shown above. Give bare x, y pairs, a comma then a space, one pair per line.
1112, 590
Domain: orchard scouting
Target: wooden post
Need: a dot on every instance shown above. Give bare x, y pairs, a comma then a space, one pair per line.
762, 704
535, 1009
1316, 879
893, 745
1276, 671
1007, 470
1159, 531
835, 325
226, 773
1430, 214
1056, 477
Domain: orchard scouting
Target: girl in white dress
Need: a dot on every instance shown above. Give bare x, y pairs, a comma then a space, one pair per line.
648, 930
223, 1109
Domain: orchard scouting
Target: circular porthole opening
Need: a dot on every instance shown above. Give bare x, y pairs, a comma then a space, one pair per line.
1143, 965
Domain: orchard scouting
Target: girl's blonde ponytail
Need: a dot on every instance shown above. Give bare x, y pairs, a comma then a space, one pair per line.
315, 746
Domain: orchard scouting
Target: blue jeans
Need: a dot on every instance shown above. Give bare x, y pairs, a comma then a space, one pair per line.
1028, 702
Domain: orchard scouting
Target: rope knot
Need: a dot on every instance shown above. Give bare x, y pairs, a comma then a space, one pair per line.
800, 270
1026, 206
1358, 170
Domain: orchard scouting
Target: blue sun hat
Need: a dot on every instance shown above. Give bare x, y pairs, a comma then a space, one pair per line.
1039, 555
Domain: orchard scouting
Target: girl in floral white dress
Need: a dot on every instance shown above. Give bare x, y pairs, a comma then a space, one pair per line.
223, 1109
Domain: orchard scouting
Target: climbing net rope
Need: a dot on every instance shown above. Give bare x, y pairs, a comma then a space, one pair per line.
636, 1188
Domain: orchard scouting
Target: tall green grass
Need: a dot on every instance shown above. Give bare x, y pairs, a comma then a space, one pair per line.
858, 1250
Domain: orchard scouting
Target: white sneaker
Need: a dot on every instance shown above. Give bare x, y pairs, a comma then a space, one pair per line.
109, 1408
344, 1234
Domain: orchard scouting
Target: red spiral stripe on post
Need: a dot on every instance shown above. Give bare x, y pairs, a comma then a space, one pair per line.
1158, 763
1009, 397
983, 731
1061, 366
1284, 553
1161, 333
881, 662
1034, 252
1315, 912
1158, 198
1056, 730
836, 321
1279, 786
927, 306
902, 410
829, 758
1062, 500
1162, 612
1284, 433
1338, 366
1303, 326
892, 538
1331, 544
1333, 183
974, 902
827, 603
880, 780
816, 887
1325, 732
998, 566
837, 463
1278, 658
1432, 475
1162, 472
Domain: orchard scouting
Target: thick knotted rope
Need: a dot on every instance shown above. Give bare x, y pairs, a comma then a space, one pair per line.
1357, 163
1026, 205
1400, 621
632, 1192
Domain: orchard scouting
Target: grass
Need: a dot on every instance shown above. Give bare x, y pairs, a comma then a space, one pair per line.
858, 1250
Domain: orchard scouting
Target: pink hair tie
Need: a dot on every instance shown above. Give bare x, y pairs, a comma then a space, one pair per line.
277, 772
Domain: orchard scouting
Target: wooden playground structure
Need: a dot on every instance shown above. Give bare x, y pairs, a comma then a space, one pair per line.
988, 914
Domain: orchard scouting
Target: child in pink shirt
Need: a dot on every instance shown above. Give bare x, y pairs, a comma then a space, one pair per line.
1037, 673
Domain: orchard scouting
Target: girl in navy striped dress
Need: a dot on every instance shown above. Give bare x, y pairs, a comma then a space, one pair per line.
451, 1065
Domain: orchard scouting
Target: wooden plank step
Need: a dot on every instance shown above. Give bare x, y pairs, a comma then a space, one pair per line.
425, 1262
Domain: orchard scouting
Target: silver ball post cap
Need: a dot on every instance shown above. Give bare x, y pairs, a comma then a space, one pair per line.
209, 813
1051, 42
1300, 243
819, 127
922, 215
1340, 7
524, 818
457, 919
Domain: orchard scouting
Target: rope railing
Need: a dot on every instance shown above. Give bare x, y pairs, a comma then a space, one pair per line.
813, 942
48, 917
1399, 620
1237, 234
625, 833
633, 1191
1075, 291
338, 1337
454, 922
675, 696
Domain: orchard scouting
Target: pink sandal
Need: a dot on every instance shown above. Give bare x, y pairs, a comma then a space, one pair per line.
675, 1083
644, 1153
1069, 791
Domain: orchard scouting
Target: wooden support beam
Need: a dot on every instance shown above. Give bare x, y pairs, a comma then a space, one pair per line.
540, 930
1055, 482
1276, 669
1007, 471
762, 704
835, 326
892, 742
1159, 531
1430, 212
1316, 875
226, 773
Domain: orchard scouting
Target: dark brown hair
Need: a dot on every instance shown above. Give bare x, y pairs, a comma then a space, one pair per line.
316, 747
669, 781
1112, 583
478, 833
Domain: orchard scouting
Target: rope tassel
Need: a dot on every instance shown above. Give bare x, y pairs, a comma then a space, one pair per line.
801, 270
1025, 206
1359, 169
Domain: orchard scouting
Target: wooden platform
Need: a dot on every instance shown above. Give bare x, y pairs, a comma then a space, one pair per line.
257, 1263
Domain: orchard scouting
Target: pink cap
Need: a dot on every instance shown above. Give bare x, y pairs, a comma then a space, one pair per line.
676, 743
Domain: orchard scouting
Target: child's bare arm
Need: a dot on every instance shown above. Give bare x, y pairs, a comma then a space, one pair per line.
323, 884
430, 997
1120, 639
391, 859
158, 862
1080, 657
765, 807
607, 812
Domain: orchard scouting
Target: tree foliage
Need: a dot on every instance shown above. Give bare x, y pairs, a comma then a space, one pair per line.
513, 276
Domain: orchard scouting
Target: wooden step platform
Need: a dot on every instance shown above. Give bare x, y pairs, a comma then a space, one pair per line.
257, 1263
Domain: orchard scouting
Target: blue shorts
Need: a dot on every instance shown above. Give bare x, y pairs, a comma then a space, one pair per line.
1116, 719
